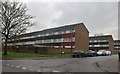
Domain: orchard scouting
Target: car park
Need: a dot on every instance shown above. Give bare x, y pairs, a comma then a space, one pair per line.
90, 53
78, 54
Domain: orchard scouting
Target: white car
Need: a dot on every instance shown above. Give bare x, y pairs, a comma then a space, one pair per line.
104, 52
100, 52
108, 52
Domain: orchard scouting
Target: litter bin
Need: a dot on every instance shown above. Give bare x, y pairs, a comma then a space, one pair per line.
62, 52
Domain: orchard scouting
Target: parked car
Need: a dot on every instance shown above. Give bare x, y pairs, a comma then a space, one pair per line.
108, 52
103, 52
91, 53
78, 54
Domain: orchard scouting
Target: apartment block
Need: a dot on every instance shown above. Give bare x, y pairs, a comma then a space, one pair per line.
75, 36
103, 42
116, 45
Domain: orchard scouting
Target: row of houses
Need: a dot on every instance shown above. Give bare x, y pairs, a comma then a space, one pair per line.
65, 38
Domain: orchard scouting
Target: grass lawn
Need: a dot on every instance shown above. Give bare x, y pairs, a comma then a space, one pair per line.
0, 54
115, 52
67, 55
33, 55
25, 55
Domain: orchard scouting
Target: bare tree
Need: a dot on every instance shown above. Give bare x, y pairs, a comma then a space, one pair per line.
14, 20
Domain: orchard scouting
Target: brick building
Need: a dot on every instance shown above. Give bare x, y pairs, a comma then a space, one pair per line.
117, 45
75, 36
103, 42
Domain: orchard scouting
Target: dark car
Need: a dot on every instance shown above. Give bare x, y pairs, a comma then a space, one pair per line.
78, 54
91, 53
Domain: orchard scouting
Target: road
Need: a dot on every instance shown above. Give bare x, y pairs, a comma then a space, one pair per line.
87, 64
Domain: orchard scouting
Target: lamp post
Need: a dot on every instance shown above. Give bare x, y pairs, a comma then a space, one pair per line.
17, 48
71, 43
118, 50
36, 44
2, 42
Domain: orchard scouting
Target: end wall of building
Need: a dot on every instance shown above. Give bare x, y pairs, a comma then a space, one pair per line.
81, 38
111, 44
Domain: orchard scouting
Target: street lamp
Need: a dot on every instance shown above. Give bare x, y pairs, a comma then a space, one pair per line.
118, 50
17, 48
71, 43
36, 44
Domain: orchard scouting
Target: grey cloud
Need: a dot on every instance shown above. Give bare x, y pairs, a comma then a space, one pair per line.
98, 17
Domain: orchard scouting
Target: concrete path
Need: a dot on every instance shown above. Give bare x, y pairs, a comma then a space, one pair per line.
110, 65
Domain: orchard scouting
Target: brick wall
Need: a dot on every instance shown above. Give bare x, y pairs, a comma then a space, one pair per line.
81, 38
111, 44
43, 50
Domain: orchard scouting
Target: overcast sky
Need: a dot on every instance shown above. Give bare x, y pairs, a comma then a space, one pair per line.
98, 17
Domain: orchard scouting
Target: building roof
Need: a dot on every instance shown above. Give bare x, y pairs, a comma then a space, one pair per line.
62, 28
102, 36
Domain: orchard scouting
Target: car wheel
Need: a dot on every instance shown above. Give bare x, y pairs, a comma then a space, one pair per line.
92, 55
77, 56
73, 56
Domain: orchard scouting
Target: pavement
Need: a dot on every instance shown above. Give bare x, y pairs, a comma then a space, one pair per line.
109, 65
87, 64
29, 58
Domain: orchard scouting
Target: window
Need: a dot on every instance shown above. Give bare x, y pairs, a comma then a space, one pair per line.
95, 40
96, 45
73, 30
105, 45
91, 40
63, 32
99, 40
67, 46
90, 46
24, 43
39, 35
55, 33
73, 39
61, 46
115, 43
10, 44
58, 40
66, 39
56, 46
104, 40
68, 31
42, 34
19, 43
60, 32
47, 34
47, 41
52, 40
50, 33
42, 41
